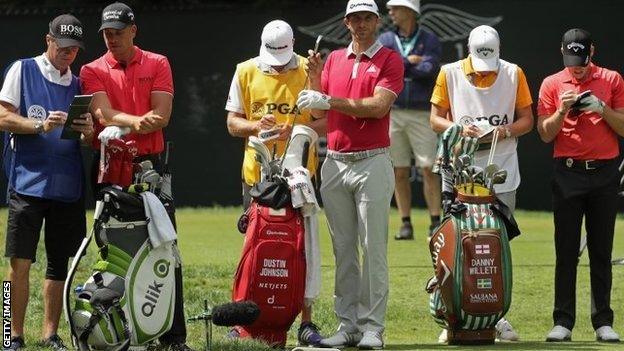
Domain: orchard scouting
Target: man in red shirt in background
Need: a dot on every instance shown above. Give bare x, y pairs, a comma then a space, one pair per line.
132, 99
585, 132
355, 91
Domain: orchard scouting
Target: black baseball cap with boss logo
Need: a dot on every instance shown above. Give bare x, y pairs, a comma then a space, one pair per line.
67, 31
576, 47
117, 16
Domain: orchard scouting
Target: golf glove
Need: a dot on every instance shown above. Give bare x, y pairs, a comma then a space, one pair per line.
112, 132
593, 104
311, 99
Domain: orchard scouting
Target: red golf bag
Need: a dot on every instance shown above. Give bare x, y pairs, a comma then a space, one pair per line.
272, 271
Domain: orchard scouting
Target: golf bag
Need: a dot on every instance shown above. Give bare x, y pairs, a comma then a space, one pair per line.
471, 288
271, 271
129, 298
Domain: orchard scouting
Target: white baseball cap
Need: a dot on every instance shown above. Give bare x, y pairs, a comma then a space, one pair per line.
277, 43
484, 46
412, 4
361, 5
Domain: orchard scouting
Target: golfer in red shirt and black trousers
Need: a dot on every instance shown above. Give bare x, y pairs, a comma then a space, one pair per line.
585, 133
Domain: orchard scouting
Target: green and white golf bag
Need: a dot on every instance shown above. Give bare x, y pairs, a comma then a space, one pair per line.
129, 298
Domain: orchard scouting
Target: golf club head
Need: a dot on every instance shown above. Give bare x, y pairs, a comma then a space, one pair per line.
477, 174
464, 160
466, 176
490, 170
152, 178
499, 177
275, 167
260, 148
146, 165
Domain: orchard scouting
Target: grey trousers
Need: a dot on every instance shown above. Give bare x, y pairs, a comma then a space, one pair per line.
356, 196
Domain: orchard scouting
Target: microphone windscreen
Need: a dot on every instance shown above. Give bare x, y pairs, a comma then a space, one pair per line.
235, 313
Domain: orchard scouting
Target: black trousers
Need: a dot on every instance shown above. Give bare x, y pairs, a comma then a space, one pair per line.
592, 194
177, 333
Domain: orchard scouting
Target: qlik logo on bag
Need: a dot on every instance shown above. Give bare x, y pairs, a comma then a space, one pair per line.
161, 268
482, 249
485, 283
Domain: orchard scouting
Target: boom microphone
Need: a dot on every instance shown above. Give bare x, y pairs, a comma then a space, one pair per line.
235, 313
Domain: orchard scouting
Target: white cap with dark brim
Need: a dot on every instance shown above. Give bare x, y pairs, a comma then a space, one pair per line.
361, 6
484, 47
277, 39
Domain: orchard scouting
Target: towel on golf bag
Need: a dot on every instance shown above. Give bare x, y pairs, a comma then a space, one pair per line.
131, 293
304, 198
159, 226
302, 191
272, 271
471, 288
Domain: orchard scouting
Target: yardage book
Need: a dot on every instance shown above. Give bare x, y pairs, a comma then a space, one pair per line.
79, 106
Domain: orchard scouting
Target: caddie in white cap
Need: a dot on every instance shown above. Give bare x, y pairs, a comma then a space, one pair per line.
490, 98
262, 97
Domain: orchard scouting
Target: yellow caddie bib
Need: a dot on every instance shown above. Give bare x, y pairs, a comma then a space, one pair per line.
274, 94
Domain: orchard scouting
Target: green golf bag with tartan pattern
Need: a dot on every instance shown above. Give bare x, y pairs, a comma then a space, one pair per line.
129, 298
471, 288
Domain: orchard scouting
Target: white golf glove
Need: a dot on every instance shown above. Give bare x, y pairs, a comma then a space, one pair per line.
311, 99
592, 104
112, 132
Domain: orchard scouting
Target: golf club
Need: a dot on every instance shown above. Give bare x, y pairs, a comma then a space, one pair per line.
305, 84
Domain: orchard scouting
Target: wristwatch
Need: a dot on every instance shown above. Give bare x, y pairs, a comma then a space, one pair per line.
507, 133
39, 126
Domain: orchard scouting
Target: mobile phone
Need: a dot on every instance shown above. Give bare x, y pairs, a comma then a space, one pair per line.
578, 104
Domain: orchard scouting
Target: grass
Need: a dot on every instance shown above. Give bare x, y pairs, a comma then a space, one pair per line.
210, 246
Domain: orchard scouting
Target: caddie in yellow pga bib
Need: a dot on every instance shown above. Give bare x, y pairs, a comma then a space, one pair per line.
262, 99
262, 102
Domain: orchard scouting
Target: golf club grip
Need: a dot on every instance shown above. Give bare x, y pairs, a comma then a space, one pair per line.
168, 147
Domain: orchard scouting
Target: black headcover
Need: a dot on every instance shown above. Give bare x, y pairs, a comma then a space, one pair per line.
235, 313
274, 193
123, 206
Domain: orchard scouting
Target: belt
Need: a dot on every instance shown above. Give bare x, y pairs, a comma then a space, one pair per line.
585, 165
356, 155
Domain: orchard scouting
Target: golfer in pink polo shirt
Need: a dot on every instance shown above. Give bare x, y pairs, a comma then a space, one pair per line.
355, 90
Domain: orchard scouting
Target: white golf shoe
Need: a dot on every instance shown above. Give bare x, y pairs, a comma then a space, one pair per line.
505, 332
342, 339
558, 334
607, 334
371, 341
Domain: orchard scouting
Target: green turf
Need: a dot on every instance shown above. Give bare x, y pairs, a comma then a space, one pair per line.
210, 246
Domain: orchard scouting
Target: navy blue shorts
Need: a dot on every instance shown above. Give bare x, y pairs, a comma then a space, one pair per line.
65, 227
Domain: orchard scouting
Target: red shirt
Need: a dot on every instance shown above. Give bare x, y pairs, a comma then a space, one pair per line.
586, 136
129, 90
378, 67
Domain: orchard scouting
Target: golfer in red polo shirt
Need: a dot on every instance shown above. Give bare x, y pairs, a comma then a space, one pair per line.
132, 99
585, 132
355, 90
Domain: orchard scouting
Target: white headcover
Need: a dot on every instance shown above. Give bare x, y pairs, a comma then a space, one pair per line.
294, 155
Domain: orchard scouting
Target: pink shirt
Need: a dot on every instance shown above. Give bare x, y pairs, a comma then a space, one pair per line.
586, 136
344, 77
129, 90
